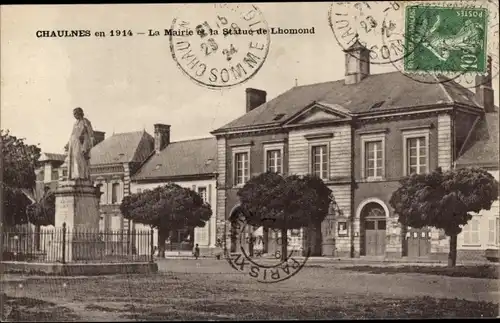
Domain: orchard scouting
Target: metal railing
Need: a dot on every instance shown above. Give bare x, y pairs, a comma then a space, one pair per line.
66, 245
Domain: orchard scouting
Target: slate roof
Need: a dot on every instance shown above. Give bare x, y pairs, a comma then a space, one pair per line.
181, 158
481, 149
120, 148
389, 90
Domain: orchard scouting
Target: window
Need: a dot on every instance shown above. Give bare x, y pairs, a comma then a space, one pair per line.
417, 155
273, 161
241, 168
471, 232
491, 231
319, 160
40, 176
114, 192
202, 191
497, 230
416, 147
370, 225
373, 159
55, 174
102, 197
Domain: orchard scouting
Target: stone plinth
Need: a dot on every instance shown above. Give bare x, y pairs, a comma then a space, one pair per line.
77, 205
328, 247
394, 243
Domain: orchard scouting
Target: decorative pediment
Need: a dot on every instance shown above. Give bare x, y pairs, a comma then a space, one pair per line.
318, 113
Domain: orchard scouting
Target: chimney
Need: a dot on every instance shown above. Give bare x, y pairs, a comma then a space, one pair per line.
255, 98
357, 63
484, 90
99, 136
162, 136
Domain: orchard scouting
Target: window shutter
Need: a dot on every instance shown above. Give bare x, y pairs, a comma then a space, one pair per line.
475, 231
491, 231
209, 193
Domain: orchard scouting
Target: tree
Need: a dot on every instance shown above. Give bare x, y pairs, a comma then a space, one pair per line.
19, 163
43, 211
444, 200
284, 203
166, 208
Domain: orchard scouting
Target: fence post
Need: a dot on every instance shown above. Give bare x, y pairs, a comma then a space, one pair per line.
151, 245
64, 243
128, 240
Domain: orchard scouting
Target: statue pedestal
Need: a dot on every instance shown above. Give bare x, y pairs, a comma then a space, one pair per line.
77, 205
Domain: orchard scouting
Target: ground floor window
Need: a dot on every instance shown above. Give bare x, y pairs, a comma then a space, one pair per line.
493, 231
471, 232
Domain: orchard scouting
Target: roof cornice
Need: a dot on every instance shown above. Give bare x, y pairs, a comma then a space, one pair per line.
249, 130
157, 179
394, 112
485, 165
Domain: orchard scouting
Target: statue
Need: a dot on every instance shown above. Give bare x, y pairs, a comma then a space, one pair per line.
79, 146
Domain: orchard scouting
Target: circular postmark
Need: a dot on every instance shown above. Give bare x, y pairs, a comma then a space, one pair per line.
224, 48
450, 41
370, 23
248, 258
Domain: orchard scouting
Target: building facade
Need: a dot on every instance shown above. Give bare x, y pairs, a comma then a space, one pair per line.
190, 164
481, 235
360, 135
113, 161
131, 162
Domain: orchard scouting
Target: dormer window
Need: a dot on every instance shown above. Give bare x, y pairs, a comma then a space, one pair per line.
278, 116
377, 105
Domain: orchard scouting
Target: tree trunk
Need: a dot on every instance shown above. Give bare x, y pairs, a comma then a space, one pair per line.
284, 244
162, 236
265, 242
452, 255
250, 241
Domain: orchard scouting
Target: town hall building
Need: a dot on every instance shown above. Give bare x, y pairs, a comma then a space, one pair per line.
361, 135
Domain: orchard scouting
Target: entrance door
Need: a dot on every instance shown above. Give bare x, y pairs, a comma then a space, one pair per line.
374, 229
419, 242
375, 236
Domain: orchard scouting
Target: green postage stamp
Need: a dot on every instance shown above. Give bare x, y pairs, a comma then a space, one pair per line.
451, 39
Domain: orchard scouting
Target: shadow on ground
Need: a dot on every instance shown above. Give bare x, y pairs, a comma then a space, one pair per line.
24, 309
483, 271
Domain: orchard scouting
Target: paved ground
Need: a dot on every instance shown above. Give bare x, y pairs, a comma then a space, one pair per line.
211, 289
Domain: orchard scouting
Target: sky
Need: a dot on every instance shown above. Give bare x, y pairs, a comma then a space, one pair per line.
130, 83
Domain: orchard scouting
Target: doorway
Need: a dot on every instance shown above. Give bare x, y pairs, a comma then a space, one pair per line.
374, 229
418, 242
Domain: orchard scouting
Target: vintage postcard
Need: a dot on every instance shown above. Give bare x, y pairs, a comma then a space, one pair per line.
250, 161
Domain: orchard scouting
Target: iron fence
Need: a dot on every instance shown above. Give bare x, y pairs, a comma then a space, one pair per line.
66, 245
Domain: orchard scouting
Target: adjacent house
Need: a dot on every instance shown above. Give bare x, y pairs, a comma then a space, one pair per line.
360, 135
481, 150
190, 164
130, 162
48, 172
113, 160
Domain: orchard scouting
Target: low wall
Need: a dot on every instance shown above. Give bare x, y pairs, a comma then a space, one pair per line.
76, 269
